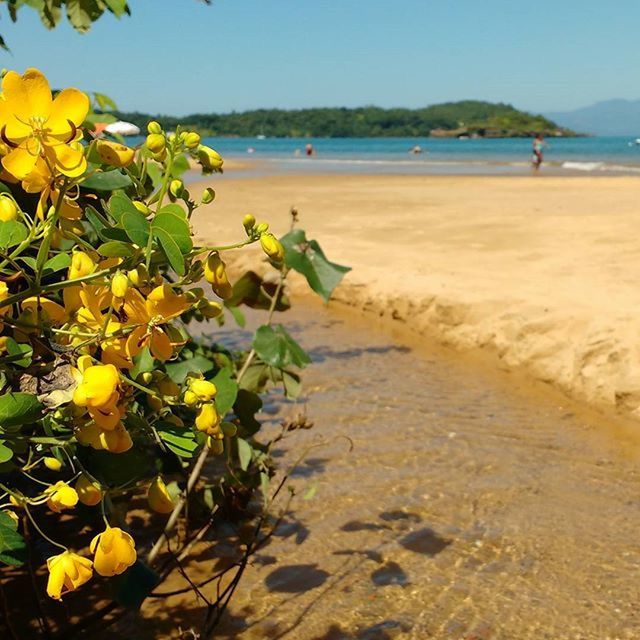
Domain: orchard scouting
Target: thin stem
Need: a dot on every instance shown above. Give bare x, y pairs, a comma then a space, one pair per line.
41, 532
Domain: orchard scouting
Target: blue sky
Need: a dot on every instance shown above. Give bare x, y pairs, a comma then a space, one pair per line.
181, 56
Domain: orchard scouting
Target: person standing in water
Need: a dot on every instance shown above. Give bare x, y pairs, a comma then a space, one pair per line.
538, 146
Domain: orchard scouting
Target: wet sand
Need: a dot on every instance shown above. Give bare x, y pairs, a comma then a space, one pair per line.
542, 272
474, 505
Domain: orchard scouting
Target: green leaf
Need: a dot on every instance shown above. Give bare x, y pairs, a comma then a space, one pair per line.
119, 204
13, 549
179, 440
306, 257
12, 233
57, 263
82, 13
175, 209
254, 292
115, 249
136, 227
277, 348
237, 315
17, 409
179, 165
246, 406
245, 453
171, 250
176, 227
178, 371
118, 8
143, 362
107, 181
5, 453
134, 585
25, 351
227, 391
291, 383
103, 100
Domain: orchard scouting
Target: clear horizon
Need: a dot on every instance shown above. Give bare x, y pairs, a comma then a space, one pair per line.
245, 55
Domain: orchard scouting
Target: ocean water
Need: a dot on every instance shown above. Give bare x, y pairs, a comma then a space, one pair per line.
597, 155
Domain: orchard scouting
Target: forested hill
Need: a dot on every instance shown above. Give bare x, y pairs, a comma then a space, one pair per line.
470, 117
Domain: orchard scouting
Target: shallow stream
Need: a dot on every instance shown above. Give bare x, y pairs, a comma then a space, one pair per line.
474, 504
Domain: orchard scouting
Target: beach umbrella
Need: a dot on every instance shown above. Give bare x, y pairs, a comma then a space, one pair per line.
122, 128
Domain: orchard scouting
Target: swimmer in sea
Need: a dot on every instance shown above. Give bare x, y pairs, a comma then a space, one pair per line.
538, 146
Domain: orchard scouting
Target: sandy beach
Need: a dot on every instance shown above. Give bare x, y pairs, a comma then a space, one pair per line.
542, 272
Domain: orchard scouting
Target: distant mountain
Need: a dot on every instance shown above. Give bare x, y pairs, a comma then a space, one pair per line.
451, 119
608, 118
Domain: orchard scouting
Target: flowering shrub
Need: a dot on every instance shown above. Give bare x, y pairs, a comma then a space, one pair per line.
105, 395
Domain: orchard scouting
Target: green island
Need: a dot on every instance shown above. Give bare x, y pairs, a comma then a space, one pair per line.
473, 118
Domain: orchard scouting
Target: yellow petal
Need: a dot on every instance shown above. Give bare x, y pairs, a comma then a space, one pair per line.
70, 105
28, 95
68, 160
19, 162
161, 347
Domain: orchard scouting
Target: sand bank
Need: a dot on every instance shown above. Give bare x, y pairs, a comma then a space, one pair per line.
544, 272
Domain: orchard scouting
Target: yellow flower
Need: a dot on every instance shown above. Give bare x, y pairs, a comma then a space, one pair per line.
208, 419
67, 572
115, 551
204, 389
61, 497
115, 440
158, 497
89, 492
44, 309
98, 385
114, 154
216, 275
33, 125
161, 306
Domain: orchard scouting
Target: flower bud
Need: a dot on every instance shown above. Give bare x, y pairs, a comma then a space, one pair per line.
208, 195
155, 142
119, 285
8, 209
248, 222
216, 275
209, 159
146, 377
176, 188
141, 207
81, 265
115, 154
154, 127
89, 492
53, 464
263, 227
216, 445
272, 246
191, 399
138, 276
159, 498
191, 140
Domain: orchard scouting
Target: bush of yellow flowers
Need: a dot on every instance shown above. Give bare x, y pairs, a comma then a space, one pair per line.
106, 397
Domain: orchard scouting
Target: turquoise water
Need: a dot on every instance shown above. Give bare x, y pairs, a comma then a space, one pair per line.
391, 155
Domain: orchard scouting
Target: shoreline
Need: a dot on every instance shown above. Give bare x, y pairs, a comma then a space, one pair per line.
542, 274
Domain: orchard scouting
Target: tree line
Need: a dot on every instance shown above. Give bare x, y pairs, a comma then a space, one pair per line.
468, 117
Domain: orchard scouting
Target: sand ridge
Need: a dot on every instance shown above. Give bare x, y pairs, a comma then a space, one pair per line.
542, 271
